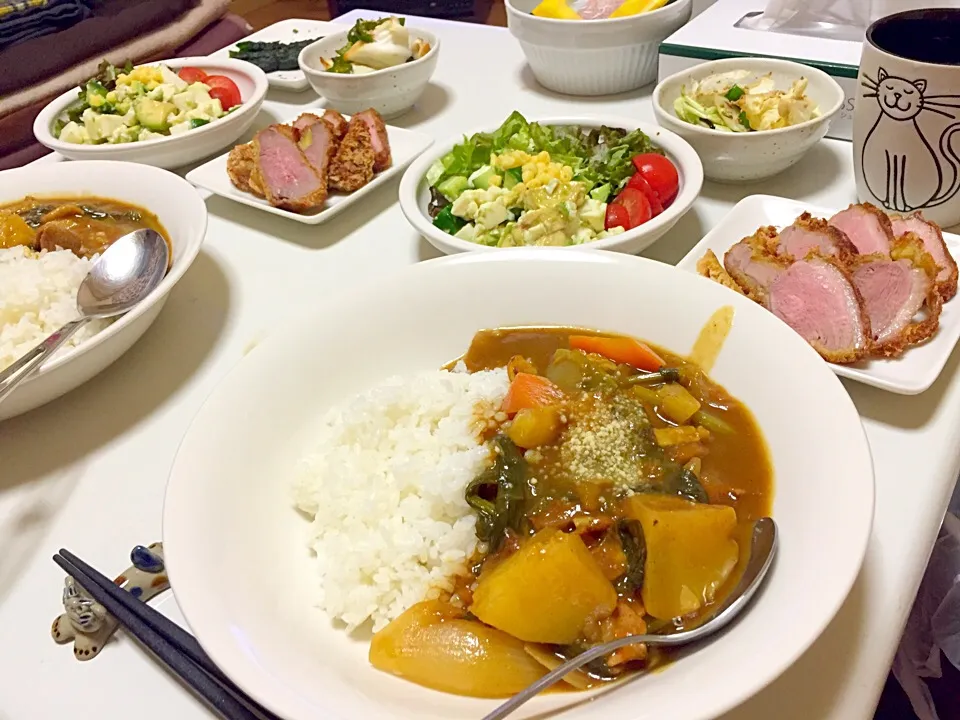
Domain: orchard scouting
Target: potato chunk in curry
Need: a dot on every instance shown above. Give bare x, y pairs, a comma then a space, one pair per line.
546, 591
690, 552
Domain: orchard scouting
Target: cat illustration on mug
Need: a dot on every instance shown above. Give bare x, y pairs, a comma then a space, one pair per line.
896, 145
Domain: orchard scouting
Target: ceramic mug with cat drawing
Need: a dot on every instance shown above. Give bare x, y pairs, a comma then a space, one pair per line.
906, 125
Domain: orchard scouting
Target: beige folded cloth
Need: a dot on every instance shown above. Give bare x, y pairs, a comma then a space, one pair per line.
153, 46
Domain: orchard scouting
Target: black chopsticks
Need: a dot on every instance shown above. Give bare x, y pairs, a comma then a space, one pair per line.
175, 647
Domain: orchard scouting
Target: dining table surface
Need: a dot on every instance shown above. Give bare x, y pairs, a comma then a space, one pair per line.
88, 471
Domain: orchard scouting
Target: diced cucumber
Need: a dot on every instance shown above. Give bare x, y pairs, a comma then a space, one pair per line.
198, 122
448, 222
512, 178
453, 186
152, 114
481, 176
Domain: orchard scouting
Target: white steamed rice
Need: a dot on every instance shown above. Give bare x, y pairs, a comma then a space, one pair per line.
385, 485
38, 294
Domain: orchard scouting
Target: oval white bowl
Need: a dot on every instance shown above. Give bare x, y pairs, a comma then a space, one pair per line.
236, 548
415, 192
744, 157
594, 57
182, 213
176, 150
391, 91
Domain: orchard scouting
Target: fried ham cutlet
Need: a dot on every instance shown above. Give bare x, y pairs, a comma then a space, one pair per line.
382, 158
709, 266
319, 145
240, 168
352, 166
288, 179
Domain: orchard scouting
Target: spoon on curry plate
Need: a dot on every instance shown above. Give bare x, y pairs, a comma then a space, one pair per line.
122, 276
763, 547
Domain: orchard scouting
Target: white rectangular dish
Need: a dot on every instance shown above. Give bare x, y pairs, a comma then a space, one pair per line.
405, 145
287, 31
912, 373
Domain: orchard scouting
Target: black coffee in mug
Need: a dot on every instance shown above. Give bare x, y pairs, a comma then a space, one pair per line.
930, 36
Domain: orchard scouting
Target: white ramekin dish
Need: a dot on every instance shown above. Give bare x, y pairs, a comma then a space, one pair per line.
594, 57
176, 150
391, 91
744, 157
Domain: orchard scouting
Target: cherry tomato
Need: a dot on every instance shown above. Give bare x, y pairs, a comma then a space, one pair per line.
643, 186
660, 174
617, 216
637, 205
225, 90
192, 75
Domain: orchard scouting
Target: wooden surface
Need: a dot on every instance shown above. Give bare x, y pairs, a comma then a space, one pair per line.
261, 13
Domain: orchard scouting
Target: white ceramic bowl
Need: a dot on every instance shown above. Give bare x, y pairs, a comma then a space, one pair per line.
236, 548
740, 157
594, 57
415, 192
391, 91
183, 214
177, 150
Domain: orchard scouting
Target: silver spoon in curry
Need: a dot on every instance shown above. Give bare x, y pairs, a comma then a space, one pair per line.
763, 548
125, 274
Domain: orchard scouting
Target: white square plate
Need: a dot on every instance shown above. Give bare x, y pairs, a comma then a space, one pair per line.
292, 30
405, 145
910, 374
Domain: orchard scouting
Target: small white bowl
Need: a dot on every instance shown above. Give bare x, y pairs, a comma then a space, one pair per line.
391, 91
181, 211
594, 57
743, 157
176, 150
415, 192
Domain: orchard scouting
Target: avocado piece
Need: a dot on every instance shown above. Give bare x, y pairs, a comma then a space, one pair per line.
481, 177
601, 192
512, 178
152, 114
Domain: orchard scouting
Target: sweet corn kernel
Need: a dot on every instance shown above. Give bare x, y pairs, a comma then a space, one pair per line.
496, 181
566, 173
543, 157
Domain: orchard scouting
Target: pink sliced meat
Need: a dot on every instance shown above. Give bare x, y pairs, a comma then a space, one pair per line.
753, 268
382, 158
283, 172
818, 300
318, 145
933, 243
894, 292
867, 226
808, 235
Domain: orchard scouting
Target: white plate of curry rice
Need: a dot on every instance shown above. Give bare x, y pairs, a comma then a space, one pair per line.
293, 171
881, 308
504, 459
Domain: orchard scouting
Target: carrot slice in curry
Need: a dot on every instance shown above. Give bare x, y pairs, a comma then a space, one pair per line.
530, 391
619, 349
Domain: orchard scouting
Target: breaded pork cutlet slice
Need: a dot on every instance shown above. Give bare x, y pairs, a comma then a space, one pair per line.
288, 179
240, 168
352, 166
382, 158
319, 146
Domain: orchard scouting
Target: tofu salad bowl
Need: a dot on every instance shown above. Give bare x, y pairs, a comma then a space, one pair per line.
607, 184
167, 114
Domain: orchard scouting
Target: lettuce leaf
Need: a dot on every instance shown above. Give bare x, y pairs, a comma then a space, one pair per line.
598, 156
